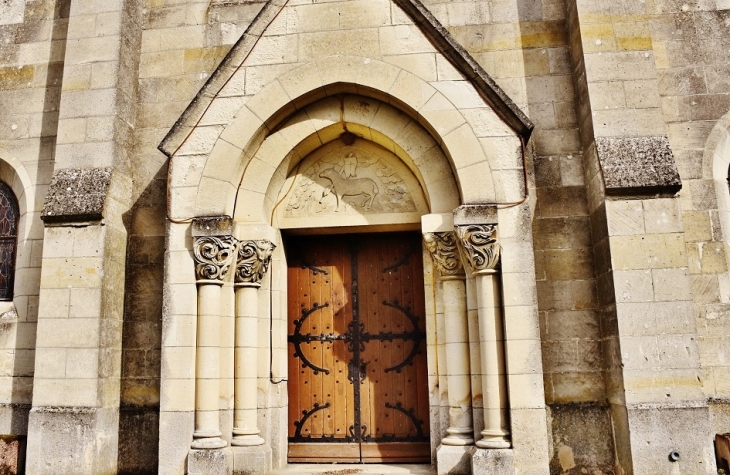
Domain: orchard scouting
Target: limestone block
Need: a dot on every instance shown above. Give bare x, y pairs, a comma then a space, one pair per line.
492, 461
176, 433
633, 286
65, 392
655, 432
177, 395
530, 440
619, 66
411, 90
360, 42
256, 460
650, 251
453, 460
161, 64
12, 12
209, 462
671, 284
607, 95
625, 217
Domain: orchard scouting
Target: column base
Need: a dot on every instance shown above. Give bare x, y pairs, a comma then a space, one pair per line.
492, 461
209, 462
246, 440
491, 440
208, 443
252, 460
453, 460
458, 437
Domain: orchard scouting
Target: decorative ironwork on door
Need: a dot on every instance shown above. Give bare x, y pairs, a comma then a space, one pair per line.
357, 335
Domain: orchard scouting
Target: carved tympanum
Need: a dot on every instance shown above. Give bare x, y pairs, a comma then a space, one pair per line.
350, 179
444, 252
479, 247
253, 262
213, 256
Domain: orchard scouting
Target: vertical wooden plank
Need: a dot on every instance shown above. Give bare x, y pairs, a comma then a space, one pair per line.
342, 314
368, 317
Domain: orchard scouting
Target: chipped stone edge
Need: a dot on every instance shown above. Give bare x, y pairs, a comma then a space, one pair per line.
85, 203
212, 226
475, 214
638, 166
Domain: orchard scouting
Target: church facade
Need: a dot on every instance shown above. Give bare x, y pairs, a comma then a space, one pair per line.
486, 235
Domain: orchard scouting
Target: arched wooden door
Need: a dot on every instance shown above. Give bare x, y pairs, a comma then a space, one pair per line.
357, 371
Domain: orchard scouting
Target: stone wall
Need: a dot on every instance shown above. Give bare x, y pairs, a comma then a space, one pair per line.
33, 37
588, 74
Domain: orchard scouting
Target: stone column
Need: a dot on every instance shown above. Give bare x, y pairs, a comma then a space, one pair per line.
443, 249
253, 262
481, 251
213, 255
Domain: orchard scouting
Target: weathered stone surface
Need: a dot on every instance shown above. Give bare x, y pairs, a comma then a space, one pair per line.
582, 437
76, 194
78, 440
492, 462
475, 214
658, 430
138, 440
209, 462
212, 226
256, 460
12, 455
453, 460
637, 165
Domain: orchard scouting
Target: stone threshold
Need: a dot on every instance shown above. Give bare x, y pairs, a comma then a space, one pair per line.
355, 469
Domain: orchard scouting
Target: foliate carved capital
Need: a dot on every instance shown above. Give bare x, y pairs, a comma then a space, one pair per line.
445, 253
479, 247
213, 256
253, 262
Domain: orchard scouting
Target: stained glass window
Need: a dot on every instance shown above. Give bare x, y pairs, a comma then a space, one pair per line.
8, 240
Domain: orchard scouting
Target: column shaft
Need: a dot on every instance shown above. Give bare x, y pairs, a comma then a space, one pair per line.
460, 431
494, 383
252, 263
245, 428
207, 368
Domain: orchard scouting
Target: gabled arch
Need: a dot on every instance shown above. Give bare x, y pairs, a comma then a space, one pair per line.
284, 97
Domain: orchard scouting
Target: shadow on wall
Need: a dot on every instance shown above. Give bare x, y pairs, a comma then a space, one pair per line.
142, 331
569, 306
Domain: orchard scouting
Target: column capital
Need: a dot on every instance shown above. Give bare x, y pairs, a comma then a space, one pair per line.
445, 253
213, 256
478, 246
253, 262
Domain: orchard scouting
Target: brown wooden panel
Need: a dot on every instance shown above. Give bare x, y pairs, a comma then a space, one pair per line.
393, 404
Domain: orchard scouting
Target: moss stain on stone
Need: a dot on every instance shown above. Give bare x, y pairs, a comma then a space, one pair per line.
16, 78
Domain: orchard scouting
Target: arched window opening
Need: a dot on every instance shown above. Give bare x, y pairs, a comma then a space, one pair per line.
9, 215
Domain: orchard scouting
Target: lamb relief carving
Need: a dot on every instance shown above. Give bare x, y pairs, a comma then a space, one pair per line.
348, 187
343, 179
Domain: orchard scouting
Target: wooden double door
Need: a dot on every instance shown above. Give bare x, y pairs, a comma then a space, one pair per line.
358, 388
